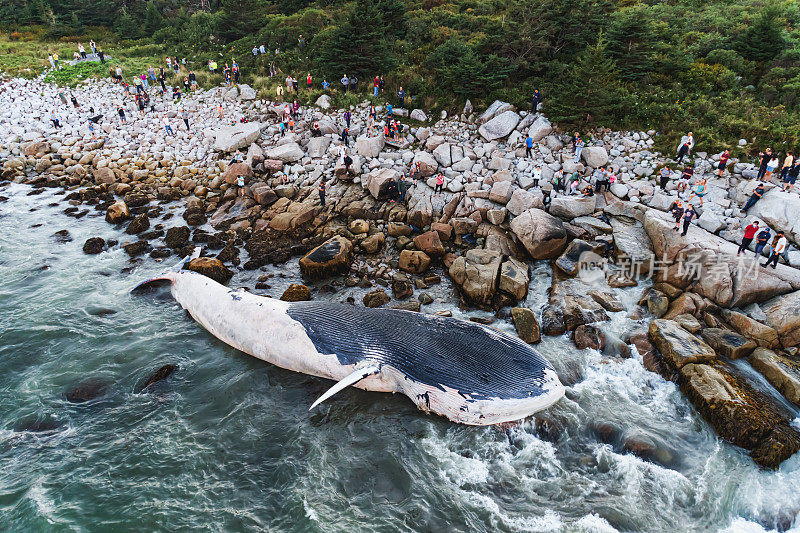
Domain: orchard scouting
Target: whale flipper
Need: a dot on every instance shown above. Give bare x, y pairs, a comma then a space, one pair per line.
166, 275
345, 382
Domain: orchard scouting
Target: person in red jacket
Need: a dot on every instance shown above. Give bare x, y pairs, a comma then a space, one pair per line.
749, 232
723, 162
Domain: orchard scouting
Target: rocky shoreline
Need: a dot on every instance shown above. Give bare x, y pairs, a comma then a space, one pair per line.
707, 313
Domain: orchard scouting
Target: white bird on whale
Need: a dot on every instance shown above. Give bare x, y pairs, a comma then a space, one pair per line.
464, 371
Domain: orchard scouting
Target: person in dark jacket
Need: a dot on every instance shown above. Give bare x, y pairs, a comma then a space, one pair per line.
688, 216
401, 96
761, 240
758, 192
321, 190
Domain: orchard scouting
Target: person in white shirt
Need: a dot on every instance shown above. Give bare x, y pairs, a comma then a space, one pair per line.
537, 175
167, 127
778, 249
685, 147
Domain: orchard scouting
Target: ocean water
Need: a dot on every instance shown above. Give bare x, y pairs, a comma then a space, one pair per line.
228, 444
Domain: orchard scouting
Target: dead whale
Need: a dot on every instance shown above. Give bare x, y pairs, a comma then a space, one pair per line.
467, 372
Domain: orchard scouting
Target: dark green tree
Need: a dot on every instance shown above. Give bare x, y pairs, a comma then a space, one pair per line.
153, 18
357, 45
239, 18
590, 90
630, 40
763, 38
461, 70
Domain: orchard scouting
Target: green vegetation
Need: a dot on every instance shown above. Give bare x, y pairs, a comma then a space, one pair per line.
725, 69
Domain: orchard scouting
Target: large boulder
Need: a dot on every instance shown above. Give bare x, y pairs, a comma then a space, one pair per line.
526, 325
427, 164
514, 279
740, 413
331, 258
117, 212
476, 274
569, 207
594, 156
678, 346
783, 315
323, 102
540, 129
377, 182
709, 266
493, 110
542, 234
210, 267
781, 210
430, 243
418, 114
232, 138
414, 261
522, 200
782, 371
634, 249
499, 126
443, 155
246, 92
318, 146
235, 170
728, 343
370, 147
288, 153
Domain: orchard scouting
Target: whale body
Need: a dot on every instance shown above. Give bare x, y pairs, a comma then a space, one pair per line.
464, 371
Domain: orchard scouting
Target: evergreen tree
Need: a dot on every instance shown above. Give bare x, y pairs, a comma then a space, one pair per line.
590, 91
630, 42
461, 70
763, 39
357, 46
238, 18
153, 18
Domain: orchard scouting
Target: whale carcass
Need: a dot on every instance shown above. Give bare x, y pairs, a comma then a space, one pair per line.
464, 371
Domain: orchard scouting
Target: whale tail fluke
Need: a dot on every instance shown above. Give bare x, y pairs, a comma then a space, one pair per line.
168, 275
345, 382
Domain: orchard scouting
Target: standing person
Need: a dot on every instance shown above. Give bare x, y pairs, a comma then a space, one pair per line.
578, 148
74, 100
666, 172
255, 50
219, 109
185, 116
381, 84
167, 127
779, 247
145, 84
309, 84
558, 180
439, 184
101, 55
50, 59
529, 146
240, 184
118, 71
401, 96
54, 119
262, 49
791, 177
82, 51
686, 177
723, 162
345, 82
788, 163
296, 110
345, 133
294, 84
685, 147
236, 72
93, 46
677, 212
758, 192
321, 190
347, 117
121, 113
535, 100
279, 92
326, 85
55, 60
688, 215
749, 234
376, 83
761, 240
765, 157
772, 164
537, 175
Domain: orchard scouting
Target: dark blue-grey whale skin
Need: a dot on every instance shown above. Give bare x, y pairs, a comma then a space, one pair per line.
478, 362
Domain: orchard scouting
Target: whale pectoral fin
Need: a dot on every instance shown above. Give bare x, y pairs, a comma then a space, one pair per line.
345, 382
166, 276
